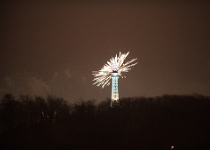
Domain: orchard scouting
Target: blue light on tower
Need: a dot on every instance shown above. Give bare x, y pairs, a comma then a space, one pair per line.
115, 93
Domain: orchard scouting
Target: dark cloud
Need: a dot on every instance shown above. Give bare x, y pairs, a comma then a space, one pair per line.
25, 84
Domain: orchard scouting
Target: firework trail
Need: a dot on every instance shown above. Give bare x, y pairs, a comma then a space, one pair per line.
115, 64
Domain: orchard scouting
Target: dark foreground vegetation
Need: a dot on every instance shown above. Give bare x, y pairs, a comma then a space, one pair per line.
137, 123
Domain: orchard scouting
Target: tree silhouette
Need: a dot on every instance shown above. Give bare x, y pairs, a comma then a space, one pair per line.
136, 123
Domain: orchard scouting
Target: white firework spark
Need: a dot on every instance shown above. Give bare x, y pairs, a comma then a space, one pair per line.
115, 64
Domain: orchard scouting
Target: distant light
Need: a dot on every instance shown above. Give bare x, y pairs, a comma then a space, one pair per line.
172, 147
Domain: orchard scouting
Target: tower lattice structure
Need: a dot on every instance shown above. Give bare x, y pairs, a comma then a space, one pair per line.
115, 93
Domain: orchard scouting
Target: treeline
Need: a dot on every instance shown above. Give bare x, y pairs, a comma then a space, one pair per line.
182, 121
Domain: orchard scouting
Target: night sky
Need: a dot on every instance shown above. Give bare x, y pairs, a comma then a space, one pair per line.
53, 47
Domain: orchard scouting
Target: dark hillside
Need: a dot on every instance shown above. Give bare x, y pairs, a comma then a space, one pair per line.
143, 123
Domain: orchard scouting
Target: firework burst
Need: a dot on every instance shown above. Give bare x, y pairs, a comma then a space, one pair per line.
115, 64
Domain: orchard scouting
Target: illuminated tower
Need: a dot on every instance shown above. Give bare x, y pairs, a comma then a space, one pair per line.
112, 70
115, 93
